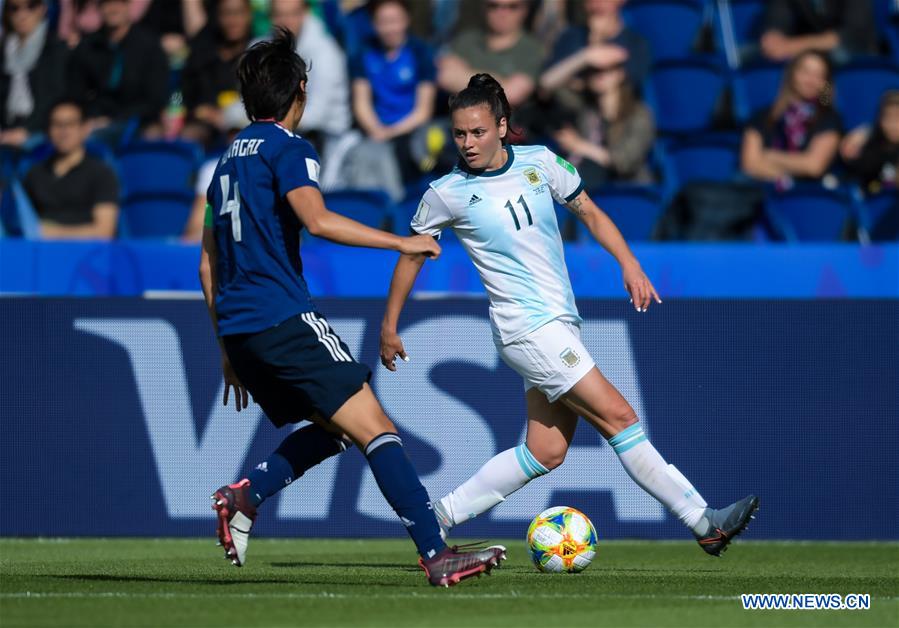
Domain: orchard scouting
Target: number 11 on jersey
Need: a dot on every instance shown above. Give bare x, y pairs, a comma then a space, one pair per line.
231, 204
527, 212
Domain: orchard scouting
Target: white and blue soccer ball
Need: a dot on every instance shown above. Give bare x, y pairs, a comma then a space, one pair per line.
562, 540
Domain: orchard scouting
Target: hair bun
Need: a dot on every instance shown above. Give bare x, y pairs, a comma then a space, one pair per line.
484, 81
483, 89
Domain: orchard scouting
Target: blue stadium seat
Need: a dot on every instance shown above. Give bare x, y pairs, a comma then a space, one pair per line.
684, 94
809, 213
879, 215
370, 207
738, 28
860, 84
886, 17
634, 210
402, 215
157, 180
9, 162
158, 167
891, 32
159, 215
17, 215
670, 26
704, 158
755, 88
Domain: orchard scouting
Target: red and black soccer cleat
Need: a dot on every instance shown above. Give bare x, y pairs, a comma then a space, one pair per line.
235, 516
451, 566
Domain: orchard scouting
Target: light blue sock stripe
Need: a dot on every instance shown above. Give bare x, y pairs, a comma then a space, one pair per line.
523, 462
520, 457
627, 440
541, 470
625, 434
623, 447
526, 466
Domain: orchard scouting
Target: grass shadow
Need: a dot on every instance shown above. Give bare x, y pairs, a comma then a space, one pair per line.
300, 564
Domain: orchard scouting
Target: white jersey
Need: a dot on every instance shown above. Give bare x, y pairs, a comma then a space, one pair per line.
506, 221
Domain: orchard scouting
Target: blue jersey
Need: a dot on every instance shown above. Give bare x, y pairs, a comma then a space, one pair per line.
257, 234
394, 79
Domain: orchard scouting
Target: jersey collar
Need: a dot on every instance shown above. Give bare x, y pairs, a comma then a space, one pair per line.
493, 173
276, 123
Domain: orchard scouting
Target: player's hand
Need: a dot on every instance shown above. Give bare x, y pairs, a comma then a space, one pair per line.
391, 347
420, 245
639, 287
241, 396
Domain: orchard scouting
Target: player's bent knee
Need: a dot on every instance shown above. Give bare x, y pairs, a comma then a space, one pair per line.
623, 419
550, 457
554, 461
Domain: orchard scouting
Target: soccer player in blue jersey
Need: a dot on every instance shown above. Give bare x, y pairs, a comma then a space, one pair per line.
275, 345
499, 203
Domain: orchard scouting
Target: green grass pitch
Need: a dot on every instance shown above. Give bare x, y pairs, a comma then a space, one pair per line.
185, 582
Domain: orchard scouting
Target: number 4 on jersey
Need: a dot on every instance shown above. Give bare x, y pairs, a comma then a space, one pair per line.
231, 204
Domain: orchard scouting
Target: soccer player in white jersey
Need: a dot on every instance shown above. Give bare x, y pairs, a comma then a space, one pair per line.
499, 203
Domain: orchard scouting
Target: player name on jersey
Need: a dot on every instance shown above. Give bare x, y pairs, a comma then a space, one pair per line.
242, 148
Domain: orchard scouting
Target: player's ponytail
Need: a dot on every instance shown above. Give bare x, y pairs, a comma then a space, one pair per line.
271, 75
483, 89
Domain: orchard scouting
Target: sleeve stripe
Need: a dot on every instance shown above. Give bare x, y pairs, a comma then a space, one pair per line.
412, 231
573, 195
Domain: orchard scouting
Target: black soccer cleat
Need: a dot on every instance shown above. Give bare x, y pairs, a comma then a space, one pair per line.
451, 566
235, 514
727, 523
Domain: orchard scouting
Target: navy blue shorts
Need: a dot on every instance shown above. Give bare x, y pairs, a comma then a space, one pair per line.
297, 368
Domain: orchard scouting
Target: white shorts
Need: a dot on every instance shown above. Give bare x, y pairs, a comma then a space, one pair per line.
551, 359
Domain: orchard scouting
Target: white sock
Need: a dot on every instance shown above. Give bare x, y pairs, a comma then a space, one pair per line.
500, 476
658, 478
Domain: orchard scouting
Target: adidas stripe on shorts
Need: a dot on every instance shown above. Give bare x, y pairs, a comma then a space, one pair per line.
296, 368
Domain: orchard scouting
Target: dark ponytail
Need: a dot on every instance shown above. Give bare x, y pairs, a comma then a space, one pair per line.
483, 89
271, 75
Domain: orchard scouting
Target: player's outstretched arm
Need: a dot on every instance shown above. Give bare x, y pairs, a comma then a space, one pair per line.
404, 275
208, 282
309, 206
607, 234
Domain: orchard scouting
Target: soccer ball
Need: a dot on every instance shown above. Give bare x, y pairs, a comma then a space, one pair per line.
562, 539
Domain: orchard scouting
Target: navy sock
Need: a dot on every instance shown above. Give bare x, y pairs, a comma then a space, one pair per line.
299, 452
399, 483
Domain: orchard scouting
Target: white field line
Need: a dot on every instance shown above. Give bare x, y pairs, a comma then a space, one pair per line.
393, 596
327, 595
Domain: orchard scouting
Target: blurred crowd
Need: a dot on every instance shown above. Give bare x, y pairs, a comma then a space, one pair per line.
82, 79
